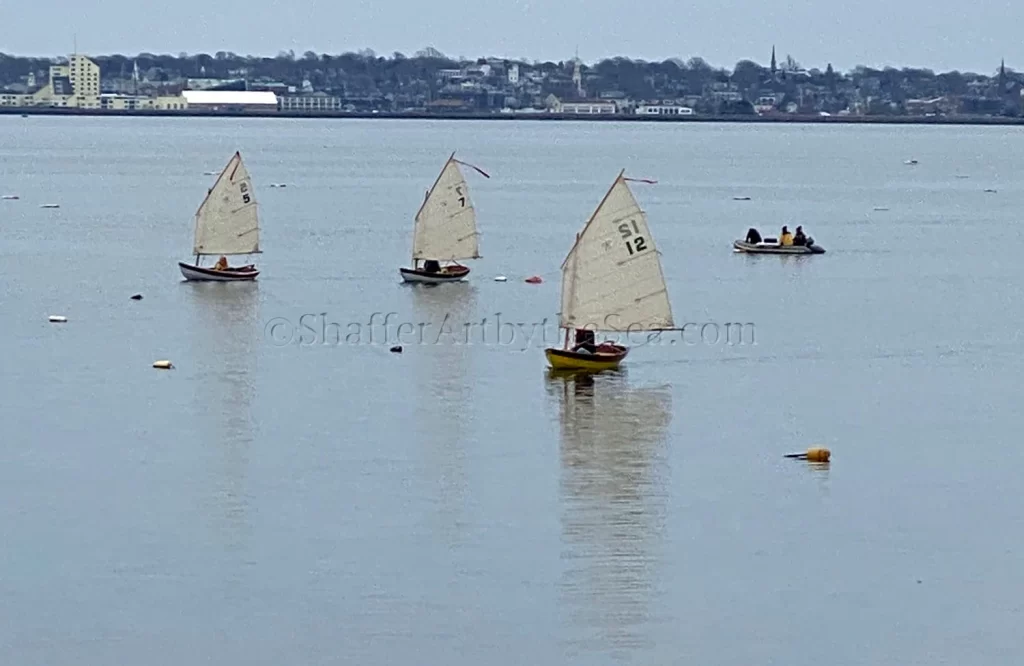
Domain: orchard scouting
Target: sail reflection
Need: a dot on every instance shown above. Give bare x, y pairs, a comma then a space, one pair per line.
444, 394
613, 498
225, 343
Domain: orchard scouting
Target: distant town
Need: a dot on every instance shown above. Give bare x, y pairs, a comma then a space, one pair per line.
431, 83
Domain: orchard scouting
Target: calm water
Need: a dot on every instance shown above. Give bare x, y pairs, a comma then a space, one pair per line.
324, 503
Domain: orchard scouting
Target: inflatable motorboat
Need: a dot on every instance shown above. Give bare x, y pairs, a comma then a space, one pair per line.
772, 246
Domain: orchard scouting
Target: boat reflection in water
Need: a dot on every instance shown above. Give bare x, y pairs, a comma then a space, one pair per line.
225, 328
613, 504
443, 366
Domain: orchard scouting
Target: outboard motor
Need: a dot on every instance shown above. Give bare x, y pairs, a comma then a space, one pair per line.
753, 236
810, 241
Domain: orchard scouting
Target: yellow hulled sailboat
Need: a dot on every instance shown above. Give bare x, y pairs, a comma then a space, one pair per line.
611, 281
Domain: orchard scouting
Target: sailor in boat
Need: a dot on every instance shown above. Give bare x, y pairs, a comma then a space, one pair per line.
585, 341
222, 264
799, 238
786, 238
753, 237
431, 266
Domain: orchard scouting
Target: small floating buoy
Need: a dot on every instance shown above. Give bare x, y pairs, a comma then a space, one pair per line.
397, 349
990, 191
741, 198
816, 454
58, 319
136, 297
500, 278
534, 280
163, 365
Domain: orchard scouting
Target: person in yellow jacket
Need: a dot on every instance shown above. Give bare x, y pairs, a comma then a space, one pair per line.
786, 238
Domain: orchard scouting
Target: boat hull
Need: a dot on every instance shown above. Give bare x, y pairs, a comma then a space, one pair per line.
563, 359
200, 274
447, 274
772, 248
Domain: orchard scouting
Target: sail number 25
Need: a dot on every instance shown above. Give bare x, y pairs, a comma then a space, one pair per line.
245, 192
634, 241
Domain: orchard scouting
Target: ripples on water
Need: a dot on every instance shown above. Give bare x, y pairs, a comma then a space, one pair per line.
324, 503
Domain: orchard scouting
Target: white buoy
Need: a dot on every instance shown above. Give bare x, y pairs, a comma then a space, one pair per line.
58, 319
500, 278
163, 365
9, 197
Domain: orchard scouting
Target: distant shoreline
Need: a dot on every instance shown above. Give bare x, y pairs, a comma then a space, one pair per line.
773, 119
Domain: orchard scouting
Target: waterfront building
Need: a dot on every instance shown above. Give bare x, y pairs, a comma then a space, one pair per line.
315, 102
75, 84
587, 107
115, 102
663, 110
230, 100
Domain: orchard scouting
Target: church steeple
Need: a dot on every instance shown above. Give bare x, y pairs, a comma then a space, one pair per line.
577, 75
1002, 77
773, 61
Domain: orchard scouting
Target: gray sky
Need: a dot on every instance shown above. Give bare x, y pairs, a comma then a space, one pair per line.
941, 35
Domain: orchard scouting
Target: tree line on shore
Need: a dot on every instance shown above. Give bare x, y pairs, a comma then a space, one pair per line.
366, 71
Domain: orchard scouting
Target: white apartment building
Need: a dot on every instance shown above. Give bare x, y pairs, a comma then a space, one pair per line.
85, 81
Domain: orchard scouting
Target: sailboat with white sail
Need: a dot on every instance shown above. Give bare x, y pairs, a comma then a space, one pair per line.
611, 281
227, 223
445, 229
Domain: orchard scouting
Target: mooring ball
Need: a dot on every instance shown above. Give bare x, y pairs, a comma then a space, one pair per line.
818, 455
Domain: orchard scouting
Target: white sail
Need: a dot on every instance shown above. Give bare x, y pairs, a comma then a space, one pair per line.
612, 279
446, 222
227, 221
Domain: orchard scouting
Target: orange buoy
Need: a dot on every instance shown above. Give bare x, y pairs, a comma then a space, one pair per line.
816, 455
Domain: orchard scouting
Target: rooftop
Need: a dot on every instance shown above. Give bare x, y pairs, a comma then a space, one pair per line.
229, 97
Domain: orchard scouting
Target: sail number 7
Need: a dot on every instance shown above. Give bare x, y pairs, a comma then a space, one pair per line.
634, 241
